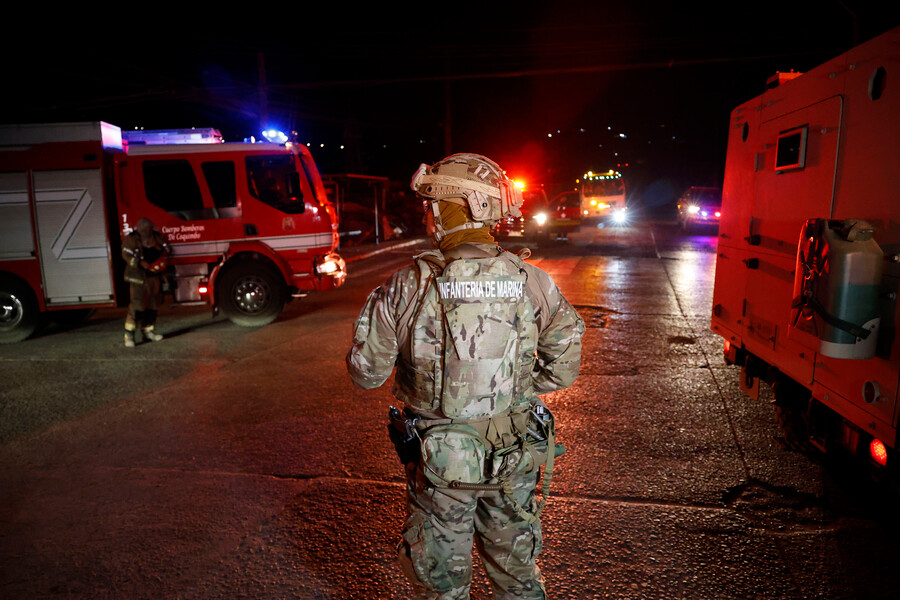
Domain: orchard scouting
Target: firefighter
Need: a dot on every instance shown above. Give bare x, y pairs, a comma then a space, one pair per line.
476, 333
145, 252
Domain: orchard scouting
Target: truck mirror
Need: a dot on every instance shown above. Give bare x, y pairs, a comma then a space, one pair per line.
295, 190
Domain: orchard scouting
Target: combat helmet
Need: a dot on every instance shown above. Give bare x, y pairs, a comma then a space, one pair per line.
470, 180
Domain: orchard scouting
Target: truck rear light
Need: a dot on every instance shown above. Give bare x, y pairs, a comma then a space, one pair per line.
730, 353
203, 288
878, 452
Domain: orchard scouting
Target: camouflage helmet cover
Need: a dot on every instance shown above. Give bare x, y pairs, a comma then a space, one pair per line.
472, 180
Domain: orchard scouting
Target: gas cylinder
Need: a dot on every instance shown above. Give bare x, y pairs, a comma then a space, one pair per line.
839, 267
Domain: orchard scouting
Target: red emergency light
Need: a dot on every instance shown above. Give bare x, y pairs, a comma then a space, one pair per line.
878, 452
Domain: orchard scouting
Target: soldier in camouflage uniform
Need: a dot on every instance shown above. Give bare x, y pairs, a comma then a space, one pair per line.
475, 333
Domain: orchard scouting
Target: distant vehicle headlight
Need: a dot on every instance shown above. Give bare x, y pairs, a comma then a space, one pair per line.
693, 209
541, 218
619, 216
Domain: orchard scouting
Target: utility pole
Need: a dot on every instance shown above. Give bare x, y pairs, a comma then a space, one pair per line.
854, 32
448, 132
263, 99
448, 112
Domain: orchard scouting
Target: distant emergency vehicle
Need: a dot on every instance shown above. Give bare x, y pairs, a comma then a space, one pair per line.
249, 225
808, 265
542, 219
699, 207
603, 197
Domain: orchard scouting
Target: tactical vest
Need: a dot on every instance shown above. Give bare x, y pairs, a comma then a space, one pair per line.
473, 338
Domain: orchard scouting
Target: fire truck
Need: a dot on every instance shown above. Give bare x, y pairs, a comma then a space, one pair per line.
249, 224
603, 197
808, 264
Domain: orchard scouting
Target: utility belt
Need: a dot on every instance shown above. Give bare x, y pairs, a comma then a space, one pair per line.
481, 454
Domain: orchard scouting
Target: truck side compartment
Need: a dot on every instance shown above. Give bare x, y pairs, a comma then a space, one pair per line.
807, 271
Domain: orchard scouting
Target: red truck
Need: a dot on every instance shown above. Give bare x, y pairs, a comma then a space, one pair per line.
249, 224
808, 265
542, 219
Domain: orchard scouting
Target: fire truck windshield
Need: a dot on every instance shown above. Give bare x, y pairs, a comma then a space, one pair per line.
604, 187
273, 179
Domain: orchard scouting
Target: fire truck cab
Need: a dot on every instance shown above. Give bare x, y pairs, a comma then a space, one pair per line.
808, 265
249, 225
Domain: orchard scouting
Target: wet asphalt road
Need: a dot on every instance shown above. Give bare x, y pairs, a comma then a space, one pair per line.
238, 463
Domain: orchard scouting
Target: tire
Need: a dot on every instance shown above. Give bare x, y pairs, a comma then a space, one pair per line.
19, 313
792, 413
538, 236
251, 294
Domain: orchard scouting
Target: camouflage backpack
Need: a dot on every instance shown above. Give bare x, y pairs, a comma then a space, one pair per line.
473, 337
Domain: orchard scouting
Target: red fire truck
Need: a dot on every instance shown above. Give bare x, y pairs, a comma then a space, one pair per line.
808, 264
249, 224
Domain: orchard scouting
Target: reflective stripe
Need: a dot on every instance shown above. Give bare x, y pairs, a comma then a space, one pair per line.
280, 243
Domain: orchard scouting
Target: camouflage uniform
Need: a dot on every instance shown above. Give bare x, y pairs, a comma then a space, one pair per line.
497, 434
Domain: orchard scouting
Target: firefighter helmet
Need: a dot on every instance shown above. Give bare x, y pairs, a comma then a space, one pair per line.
470, 180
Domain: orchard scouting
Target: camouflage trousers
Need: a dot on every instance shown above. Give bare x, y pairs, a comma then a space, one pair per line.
442, 525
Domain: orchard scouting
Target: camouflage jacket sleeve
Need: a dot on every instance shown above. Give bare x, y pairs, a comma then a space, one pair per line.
375, 339
560, 328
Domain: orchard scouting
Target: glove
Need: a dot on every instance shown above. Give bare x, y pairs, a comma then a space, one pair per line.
158, 265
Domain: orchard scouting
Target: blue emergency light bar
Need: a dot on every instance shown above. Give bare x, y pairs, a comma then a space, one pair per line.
154, 137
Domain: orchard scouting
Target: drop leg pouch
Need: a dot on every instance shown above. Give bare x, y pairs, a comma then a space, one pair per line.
453, 452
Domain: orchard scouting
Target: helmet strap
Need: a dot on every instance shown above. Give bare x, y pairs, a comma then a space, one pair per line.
467, 225
440, 232
438, 224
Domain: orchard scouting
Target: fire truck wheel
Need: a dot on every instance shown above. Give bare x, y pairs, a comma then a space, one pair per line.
544, 236
19, 314
252, 294
792, 415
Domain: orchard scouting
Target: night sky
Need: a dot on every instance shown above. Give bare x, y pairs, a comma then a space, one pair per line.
549, 90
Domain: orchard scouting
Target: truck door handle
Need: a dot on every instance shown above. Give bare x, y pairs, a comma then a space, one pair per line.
250, 229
